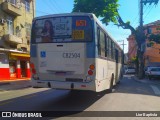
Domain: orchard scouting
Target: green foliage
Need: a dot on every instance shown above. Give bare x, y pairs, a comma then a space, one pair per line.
128, 22
155, 38
150, 44
107, 9
134, 59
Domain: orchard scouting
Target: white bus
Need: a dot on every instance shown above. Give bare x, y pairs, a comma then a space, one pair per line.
73, 51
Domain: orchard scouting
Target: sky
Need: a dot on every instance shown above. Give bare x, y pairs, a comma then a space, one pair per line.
128, 9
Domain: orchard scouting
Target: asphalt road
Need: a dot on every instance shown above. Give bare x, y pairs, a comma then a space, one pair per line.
129, 95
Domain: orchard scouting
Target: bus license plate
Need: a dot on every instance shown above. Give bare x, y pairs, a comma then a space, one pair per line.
78, 34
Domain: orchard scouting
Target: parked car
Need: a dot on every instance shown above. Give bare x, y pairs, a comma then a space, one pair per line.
130, 70
153, 72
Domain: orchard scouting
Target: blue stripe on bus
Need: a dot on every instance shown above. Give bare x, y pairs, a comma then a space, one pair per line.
33, 51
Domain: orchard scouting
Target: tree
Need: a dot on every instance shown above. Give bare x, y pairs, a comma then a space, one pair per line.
108, 11
155, 38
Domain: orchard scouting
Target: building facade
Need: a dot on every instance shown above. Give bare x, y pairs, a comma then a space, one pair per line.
152, 52
132, 48
15, 27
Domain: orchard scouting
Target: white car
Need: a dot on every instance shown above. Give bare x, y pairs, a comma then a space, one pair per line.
153, 72
130, 70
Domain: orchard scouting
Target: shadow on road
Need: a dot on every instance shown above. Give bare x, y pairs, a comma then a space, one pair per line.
52, 100
65, 100
131, 86
9, 86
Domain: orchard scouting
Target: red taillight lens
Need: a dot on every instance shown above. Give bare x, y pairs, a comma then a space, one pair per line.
90, 72
33, 71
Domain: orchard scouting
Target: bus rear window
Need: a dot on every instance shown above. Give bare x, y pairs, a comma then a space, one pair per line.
62, 29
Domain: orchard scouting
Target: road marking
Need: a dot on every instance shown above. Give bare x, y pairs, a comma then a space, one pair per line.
3, 103
155, 89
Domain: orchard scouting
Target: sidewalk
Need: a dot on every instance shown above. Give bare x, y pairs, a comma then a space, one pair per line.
6, 85
13, 80
146, 80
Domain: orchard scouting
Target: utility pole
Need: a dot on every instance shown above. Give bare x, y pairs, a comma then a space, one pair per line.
123, 48
122, 44
142, 38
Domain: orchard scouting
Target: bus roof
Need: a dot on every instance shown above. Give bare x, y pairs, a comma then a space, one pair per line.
79, 14
64, 14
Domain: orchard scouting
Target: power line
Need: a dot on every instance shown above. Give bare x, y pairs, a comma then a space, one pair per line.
52, 2
59, 6
41, 11
149, 11
50, 6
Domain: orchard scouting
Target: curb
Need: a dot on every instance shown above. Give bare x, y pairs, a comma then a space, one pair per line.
7, 82
145, 81
3, 83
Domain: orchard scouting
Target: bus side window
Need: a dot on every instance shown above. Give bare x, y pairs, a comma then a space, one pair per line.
98, 37
113, 50
119, 59
106, 46
110, 52
102, 43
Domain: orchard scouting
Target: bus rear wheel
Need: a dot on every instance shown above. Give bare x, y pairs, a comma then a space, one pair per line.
111, 84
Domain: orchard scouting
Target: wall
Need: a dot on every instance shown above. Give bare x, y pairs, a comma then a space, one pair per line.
132, 49
20, 24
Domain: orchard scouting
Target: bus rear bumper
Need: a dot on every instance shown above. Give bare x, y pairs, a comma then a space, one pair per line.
64, 85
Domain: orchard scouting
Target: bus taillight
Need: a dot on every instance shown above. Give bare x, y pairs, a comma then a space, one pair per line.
92, 67
90, 72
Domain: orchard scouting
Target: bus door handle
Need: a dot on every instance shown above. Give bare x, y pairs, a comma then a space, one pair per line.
59, 45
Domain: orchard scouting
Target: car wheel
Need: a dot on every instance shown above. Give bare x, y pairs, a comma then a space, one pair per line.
149, 77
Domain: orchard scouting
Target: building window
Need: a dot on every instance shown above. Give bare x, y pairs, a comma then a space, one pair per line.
24, 49
27, 5
10, 25
28, 29
14, 2
149, 30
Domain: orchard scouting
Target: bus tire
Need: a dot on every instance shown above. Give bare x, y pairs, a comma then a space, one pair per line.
111, 84
119, 82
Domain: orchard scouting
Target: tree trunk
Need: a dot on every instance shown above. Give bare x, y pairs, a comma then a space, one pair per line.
141, 66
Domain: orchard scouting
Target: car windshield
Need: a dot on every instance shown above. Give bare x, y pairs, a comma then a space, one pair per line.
131, 68
155, 69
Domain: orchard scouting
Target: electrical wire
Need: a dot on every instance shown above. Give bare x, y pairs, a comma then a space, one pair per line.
55, 6
148, 12
58, 5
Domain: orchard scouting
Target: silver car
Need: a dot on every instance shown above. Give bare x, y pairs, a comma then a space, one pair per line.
153, 72
130, 70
